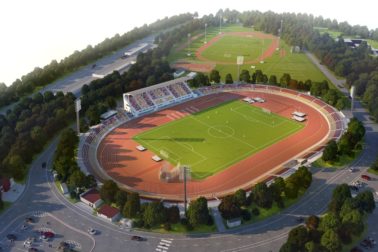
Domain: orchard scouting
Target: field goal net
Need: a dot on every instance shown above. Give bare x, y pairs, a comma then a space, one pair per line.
267, 111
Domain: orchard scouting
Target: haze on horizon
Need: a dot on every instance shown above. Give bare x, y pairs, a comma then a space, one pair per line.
35, 32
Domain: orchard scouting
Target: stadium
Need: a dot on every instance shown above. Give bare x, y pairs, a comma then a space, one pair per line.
229, 136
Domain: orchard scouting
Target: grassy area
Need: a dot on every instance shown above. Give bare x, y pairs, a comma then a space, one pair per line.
212, 140
179, 228
6, 205
373, 171
296, 64
332, 33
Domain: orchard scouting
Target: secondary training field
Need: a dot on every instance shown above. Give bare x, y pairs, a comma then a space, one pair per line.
120, 160
212, 140
227, 47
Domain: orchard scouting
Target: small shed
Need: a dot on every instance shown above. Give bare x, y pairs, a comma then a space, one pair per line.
110, 213
91, 198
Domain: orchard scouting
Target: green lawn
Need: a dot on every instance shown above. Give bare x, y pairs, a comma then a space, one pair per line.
296, 64
211, 140
228, 48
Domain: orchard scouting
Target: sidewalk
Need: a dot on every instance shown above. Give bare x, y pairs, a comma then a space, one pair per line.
218, 220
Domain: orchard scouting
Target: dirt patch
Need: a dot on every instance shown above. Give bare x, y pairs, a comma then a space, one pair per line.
196, 67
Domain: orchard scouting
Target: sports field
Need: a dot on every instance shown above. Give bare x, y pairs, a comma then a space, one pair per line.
211, 140
227, 48
282, 61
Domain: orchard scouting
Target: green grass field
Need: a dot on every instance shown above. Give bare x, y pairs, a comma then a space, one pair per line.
228, 48
296, 64
211, 140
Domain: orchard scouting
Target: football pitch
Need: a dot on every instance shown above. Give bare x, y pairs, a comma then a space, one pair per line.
213, 139
227, 48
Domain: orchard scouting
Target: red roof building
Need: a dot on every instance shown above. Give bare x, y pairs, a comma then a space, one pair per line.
91, 198
108, 212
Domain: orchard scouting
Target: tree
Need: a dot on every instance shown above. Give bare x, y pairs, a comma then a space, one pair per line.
331, 241
108, 191
132, 206
111, 102
17, 167
173, 214
278, 188
262, 196
330, 151
285, 79
312, 222
311, 246
353, 222
229, 79
90, 181
298, 237
365, 201
291, 189
240, 197
154, 213
245, 76
330, 221
77, 179
198, 212
229, 208
120, 198
272, 80
339, 195
214, 76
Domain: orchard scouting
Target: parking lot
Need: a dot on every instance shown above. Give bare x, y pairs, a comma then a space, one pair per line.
42, 232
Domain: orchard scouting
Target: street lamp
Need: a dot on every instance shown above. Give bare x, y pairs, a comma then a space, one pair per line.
188, 44
205, 34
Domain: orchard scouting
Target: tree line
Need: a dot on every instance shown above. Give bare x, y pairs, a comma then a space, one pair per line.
263, 196
337, 227
26, 129
154, 214
40, 77
66, 166
348, 143
319, 89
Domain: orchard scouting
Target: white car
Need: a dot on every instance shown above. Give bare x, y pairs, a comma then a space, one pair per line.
92, 231
28, 243
351, 169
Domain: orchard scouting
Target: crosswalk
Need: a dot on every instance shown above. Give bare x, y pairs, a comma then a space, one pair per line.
164, 245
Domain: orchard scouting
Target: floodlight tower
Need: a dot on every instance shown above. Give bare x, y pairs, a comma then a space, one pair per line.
205, 34
220, 23
188, 44
77, 109
279, 38
352, 97
185, 170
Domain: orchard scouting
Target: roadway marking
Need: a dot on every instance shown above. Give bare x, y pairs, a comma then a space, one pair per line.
163, 245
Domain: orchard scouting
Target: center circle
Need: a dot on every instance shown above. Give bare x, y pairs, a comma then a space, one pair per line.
221, 131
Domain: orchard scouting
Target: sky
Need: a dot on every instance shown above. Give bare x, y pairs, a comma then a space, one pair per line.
35, 32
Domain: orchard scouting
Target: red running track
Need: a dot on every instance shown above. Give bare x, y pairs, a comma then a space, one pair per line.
136, 170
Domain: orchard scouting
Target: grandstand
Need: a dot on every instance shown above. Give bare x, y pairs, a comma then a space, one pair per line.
157, 96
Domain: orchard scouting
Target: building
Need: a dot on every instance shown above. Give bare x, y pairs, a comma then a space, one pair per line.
91, 198
110, 213
158, 96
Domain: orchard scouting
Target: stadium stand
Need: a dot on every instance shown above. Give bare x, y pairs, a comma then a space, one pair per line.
157, 96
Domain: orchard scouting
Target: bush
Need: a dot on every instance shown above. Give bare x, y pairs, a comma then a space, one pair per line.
167, 226
246, 215
256, 211
188, 227
210, 221
138, 223
184, 221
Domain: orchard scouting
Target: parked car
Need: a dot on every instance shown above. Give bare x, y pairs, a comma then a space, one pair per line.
49, 234
354, 188
365, 177
351, 169
137, 238
44, 165
32, 250
92, 231
11, 237
29, 220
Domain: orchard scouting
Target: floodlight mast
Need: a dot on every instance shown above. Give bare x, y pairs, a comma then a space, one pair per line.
205, 34
77, 109
279, 38
220, 24
188, 44
186, 169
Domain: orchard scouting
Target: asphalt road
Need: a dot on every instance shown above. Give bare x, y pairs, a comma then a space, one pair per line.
104, 66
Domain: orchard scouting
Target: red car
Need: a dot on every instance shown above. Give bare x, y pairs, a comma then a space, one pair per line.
49, 234
366, 177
